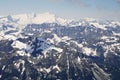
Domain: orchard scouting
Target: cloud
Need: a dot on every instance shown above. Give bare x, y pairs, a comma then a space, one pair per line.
55, 0
80, 3
77, 2
118, 1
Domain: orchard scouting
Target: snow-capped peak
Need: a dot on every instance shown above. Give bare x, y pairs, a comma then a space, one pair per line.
34, 18
44, 18
37, 18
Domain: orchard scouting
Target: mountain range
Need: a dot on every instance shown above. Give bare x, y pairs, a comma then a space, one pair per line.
47, 47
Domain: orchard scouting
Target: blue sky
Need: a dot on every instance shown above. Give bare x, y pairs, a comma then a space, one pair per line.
72, 9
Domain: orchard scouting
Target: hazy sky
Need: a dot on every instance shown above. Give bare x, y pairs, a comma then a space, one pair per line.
76, 9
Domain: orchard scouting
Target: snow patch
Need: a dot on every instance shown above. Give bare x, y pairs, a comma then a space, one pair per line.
56, 67
3, 67
97, 25
79, 59
89, 51
17, 64
47, 69
19, 45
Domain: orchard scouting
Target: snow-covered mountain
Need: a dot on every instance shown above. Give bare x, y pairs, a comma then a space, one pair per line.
47, 47
24, 19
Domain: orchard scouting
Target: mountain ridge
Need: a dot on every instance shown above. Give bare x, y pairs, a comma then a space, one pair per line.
39, 18
78, 50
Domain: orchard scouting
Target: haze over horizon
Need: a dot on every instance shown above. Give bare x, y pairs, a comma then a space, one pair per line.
70, 9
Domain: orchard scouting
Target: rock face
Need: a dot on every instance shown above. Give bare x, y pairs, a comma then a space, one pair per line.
75, 50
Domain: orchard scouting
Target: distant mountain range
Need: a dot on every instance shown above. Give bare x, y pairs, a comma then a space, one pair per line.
47, 47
